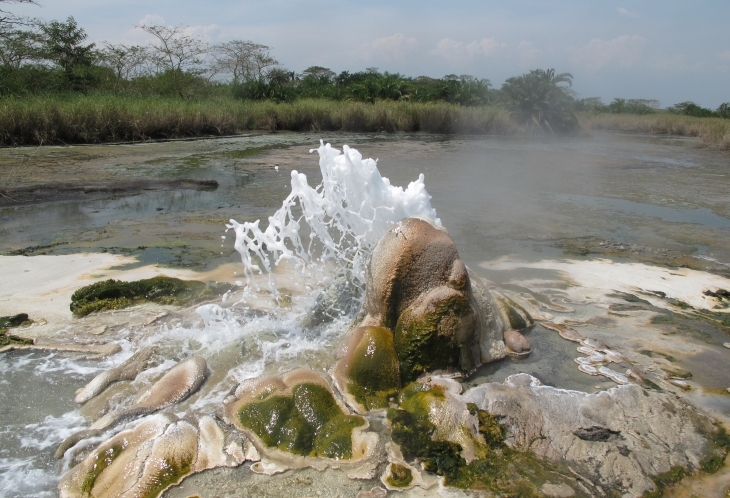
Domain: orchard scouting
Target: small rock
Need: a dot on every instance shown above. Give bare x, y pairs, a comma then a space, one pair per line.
726, 344
680, 383
516, 343
561, 490
98, 330
595, 433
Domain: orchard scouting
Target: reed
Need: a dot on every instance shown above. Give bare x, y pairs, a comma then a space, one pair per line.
713, 132
97, 119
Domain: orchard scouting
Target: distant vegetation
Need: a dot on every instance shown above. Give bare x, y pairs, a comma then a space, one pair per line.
712, 131
56, 87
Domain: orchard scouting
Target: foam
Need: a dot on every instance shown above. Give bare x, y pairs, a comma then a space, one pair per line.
22, 478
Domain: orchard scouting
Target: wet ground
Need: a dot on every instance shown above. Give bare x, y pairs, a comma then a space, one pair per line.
518, 209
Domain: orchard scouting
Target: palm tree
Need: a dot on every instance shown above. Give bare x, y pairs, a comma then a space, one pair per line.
539, 101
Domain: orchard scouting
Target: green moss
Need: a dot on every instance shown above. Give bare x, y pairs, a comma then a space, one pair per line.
315, 403
677, 373
652, 385
507, 473
308, 423
115, 294
420, 344
418, 398
662, 481
516, 320
334, 440
400, 476
368, 399
7, 322
621, 307
501, 470
719, 448
489, 428
9, 339
413, 431
172, 471
295, 435
266, 418
103, 460
374, 370
652, 354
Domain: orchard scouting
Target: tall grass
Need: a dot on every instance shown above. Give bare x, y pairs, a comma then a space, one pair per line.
713, 132
100, 118
96, 119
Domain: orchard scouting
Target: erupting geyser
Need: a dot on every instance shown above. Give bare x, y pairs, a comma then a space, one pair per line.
345, 216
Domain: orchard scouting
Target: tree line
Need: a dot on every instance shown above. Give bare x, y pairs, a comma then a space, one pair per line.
649, 106
55, 58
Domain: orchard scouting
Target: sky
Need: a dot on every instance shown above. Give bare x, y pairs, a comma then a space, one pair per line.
672, 51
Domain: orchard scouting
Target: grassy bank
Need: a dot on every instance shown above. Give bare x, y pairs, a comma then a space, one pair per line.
714, 132
97, 119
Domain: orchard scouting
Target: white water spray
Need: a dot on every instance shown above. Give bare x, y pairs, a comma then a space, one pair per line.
346, 215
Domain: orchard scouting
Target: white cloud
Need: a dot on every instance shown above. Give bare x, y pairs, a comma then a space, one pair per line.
392, 48
628, 13
449, 49
456, 51
527, 52
487, 46
622, 51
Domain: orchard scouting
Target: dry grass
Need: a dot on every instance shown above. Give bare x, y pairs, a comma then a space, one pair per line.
713, 132
96, 119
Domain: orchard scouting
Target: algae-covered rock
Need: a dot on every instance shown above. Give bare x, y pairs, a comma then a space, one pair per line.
7, 322
115, 294
296, 421
443, 317
432, 409
435, 333
306, 422
159, 453
456, 439
639, 434
369, 373
419, 288
12, 340
399, 476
